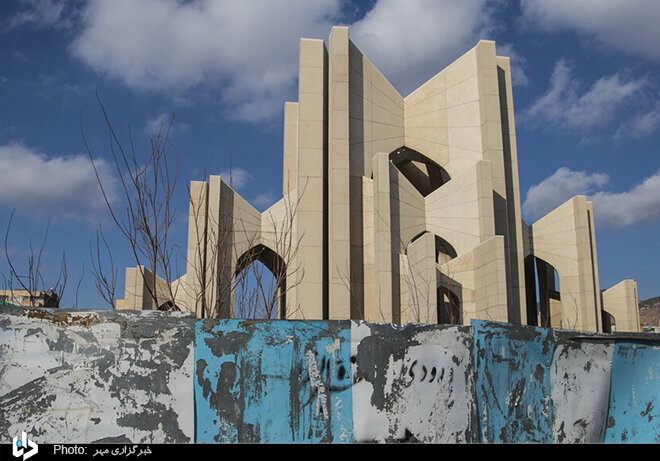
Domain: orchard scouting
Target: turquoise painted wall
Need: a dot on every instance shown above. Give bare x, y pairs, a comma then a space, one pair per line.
159, 378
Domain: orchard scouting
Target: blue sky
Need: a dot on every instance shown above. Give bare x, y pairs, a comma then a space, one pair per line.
586, 95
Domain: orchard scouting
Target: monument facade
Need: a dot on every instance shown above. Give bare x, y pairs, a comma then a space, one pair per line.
398, 209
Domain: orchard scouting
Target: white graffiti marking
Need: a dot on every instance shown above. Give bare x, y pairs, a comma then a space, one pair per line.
315, 381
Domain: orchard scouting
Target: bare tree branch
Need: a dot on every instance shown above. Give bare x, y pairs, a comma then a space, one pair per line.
148, 187
105, 282
33, 282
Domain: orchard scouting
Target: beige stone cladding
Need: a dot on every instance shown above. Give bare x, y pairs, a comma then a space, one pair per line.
144, 291
621, 302
27, 298
312, 221
565, 239
397, 209
462, 116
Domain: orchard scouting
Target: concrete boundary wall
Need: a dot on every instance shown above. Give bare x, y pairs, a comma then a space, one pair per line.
96, 376
153, 377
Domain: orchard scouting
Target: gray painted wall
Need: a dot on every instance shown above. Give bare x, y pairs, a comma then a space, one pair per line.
154, 377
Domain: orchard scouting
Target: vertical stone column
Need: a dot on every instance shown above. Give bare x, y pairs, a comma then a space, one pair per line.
591, 268
420, 281
339, 229
565, 239
383, 278
196, 255
369, 307
514, 215
220, 247
492, 93
311, 225
290, 148
133, 289
621, 302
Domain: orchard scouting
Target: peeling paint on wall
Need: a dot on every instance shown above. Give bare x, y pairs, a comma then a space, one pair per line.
96, 376
513, 383
412, 383
580, 376
634, 413
159, 377
273, 382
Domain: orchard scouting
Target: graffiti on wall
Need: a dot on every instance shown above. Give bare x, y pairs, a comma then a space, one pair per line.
412, 383
273, 382
155, 377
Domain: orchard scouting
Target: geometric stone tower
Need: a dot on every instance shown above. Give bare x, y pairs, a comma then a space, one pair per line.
398, 209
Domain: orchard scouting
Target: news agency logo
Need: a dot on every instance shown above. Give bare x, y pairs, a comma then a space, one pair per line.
18, 448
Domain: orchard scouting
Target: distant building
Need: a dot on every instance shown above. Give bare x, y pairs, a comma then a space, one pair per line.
398, 209
24, 298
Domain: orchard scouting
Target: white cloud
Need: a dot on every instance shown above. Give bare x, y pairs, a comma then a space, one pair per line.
158, 124
264, 200
57, 14
162, 122
249, 50
566, 105
627, 25
56, 186
518, 75
640, 126
619, 210
237, 178
614, 210
557, 188
411, 41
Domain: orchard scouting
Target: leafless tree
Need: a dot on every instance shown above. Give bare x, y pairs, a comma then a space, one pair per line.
147, 213
105, 280
82, 276
222, 282
31, 281
209, 283
260, 296
146, 216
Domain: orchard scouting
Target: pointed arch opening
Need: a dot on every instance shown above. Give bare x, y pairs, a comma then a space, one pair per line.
447, 291
422, 172
543, 293
260, 287
449, 307
444, 251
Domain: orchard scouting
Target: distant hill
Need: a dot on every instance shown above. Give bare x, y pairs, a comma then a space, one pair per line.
650, 303
649, 311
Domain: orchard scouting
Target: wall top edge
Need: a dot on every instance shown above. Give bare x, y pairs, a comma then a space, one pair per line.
59, 316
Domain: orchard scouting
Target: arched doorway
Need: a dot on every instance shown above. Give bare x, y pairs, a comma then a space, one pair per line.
260, 285
422, 172
609, 322
445, 290
543, 293
444, 252
449, 307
